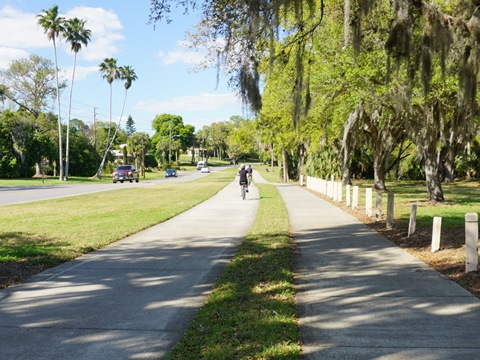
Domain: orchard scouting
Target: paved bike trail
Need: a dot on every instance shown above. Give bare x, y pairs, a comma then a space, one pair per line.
133, 299
361, 297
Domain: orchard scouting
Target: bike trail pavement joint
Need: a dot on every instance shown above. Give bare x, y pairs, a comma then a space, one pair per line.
133, 299
361, 297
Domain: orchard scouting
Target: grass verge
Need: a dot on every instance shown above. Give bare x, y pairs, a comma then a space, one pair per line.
37, 235
251, 312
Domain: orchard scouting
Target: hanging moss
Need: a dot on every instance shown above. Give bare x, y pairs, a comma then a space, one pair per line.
249, 30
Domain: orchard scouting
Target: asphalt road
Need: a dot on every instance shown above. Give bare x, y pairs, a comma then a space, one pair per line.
22, 194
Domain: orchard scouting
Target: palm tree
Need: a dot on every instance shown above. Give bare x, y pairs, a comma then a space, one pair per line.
127, 73
53, 26
110, 72
76, 35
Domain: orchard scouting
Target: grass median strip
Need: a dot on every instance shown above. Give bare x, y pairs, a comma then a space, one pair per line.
47, 233
251, 312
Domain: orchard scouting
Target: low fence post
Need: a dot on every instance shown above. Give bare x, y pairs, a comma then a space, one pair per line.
390, 209
340, 192
378, 205
347, 196
436, 232
413, 220
368, 202
471, 242
355, 198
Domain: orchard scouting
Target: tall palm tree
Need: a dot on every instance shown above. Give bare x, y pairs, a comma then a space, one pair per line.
127, 73
110, 72
76, 35
53, 26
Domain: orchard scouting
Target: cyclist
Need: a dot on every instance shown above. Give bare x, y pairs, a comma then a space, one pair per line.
249, 174
243, 178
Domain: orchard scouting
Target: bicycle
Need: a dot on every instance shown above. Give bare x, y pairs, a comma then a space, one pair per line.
244, 190
250, 179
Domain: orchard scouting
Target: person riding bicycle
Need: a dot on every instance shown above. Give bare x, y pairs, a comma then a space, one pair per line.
249, 173
243, 177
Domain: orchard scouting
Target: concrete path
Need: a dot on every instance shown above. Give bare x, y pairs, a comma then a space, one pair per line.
133, 299
361, 297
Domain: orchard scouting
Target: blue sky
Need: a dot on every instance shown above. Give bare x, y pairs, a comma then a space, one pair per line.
160, 56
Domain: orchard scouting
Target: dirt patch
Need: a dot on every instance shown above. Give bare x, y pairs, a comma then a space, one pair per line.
12, 273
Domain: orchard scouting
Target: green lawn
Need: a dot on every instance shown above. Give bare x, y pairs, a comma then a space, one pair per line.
53, 231
460, 198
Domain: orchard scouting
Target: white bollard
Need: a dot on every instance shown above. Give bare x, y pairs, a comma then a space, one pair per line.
471, 242
368, 202
339, 193
347, 196
436, 231
390, 209
378, 205
355, 198
413, 220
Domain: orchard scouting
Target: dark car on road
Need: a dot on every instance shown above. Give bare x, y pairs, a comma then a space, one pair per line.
125, 173
171, 173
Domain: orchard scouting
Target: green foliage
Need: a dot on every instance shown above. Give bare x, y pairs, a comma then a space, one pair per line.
29, 82
323, 164
130, 126
84, 159
18, 145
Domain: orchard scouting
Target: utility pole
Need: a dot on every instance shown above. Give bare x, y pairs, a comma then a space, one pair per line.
95, 128
170, 142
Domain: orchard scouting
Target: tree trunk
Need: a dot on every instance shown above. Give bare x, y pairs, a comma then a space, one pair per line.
348, 143
285, 165
379, 172
434, 186
449, 163
272, 158
346, 23
60, 143
301, 161
469, 161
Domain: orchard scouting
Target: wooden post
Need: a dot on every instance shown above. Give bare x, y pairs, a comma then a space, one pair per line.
368, 202
436, 231
339, 193
471, 242
347, 195
413, 220
355, 198
378, 206
390, 209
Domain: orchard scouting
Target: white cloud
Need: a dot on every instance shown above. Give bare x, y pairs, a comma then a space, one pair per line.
20, 30
202, 102
7, 55
81, 72
106, 32
182, 53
